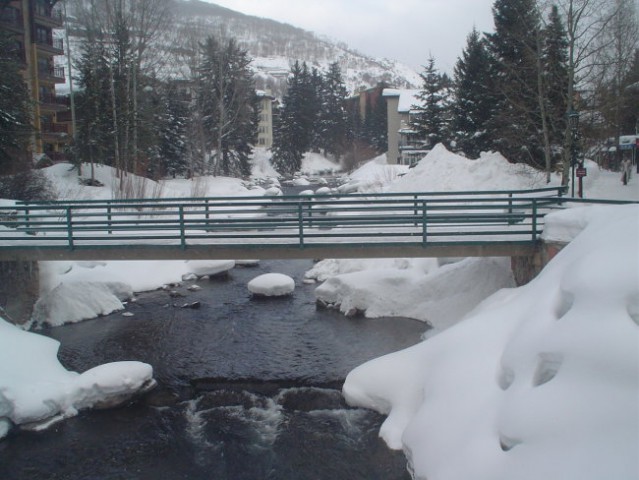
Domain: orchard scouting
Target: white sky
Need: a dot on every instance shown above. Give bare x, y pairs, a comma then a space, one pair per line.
404, 30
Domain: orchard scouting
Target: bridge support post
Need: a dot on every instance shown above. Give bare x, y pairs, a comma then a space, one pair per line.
19, 290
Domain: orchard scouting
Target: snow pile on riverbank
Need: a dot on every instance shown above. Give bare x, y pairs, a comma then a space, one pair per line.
440, 296
537, 382
36, 390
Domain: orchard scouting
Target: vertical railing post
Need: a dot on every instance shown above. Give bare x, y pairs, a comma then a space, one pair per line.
109, 218
70, 228
300, 221
310, 212
207, 208
415, 210
534, 219
424, 222
26, 218
510, 208
182, 234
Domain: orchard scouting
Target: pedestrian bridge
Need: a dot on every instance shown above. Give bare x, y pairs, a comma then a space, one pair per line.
486, 223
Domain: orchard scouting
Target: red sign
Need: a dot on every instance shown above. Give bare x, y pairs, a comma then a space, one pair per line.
581, 172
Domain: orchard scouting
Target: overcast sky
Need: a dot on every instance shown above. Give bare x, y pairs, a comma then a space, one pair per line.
404, 30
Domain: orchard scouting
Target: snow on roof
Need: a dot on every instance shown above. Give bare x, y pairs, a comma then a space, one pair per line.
407, 98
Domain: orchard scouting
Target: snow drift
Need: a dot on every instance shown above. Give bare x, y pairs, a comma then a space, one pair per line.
537, 382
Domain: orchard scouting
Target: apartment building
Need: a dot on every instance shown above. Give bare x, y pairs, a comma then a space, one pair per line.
32, 23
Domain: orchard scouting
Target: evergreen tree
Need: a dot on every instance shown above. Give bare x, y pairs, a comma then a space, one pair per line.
555, 77
94, 109
333, 125
473, 104
431, 119
295, 132
15, 108
228, 102
514, 50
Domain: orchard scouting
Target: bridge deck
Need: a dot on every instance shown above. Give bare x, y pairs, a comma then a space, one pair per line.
349, 226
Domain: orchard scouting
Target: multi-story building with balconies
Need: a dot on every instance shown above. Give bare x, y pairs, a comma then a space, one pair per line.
32, 23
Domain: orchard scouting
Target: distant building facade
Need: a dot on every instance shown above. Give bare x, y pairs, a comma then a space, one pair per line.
405, 145
265, 122
32, 22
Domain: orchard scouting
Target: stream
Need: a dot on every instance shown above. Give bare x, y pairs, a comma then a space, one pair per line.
248, 389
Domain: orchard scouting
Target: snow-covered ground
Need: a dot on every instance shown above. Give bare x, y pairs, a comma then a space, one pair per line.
536, 382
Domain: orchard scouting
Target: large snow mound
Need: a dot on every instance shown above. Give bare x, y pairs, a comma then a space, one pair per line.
443, 171
537, 382
440, 296
35, 389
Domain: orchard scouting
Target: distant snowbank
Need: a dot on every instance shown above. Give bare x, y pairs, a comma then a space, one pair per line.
537, 382
442, 171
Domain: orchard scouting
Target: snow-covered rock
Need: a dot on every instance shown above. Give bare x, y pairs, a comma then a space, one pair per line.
272, 285
209, 267
36, 390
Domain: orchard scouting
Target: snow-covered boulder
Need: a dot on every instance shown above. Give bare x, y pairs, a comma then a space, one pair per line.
36, 390
273, 192
272, 285
301, 181
210, 267
305, 193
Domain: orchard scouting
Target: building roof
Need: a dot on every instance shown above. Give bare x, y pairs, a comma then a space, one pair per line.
407, 98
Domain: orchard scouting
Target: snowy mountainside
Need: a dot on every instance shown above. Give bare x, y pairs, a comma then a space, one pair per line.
273, 46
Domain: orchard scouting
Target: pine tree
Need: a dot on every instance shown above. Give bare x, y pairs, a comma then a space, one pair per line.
514, 50
15, 116
94, 109
333, 125
555, 77
473, 98
297, 125
228, 103
431, 120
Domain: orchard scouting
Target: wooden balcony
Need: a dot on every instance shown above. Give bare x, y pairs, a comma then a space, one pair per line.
54, 102
54, 74
54, 129
47, 16
54, 46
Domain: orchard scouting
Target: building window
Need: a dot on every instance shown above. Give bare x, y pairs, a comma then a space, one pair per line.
262, 141
43, 35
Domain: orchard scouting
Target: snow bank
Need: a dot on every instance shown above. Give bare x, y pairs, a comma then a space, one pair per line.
537, 382
75, 301
36, 390
272, 285
374, 176
316, 164
443, 171
439, 296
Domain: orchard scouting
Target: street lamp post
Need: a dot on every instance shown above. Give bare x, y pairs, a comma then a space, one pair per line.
573, 122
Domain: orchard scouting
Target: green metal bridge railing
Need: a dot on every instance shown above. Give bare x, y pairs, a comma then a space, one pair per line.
418, 219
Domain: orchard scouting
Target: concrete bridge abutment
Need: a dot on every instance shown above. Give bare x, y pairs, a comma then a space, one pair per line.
19, 290
527, 267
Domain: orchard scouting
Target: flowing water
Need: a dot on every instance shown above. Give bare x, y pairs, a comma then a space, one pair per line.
248, 389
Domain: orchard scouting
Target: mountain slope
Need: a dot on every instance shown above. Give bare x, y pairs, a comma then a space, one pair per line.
274, 46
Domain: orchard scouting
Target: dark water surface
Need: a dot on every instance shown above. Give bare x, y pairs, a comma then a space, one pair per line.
248, 389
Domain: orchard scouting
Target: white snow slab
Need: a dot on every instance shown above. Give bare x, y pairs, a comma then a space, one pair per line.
272, 285
209, 267
71, 302
35, 388
537, 382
